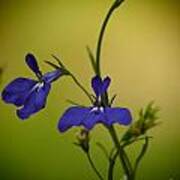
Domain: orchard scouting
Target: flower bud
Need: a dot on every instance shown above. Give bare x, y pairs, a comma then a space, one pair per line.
147, 120
83, 139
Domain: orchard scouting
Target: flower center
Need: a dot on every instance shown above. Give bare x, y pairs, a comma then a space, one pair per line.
38, 86
97, 109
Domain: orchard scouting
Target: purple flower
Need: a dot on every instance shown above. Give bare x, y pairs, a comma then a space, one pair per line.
98, 113
28, 94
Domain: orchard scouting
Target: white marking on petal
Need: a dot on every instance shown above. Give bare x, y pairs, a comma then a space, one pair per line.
38, 86
94, 109
101, 109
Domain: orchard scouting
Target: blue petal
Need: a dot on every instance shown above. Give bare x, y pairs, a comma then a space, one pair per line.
52, 76
77, 116
105, 84
35, 102
94, 116
32, 63
17, 91
117, 115
73, 117
97, 85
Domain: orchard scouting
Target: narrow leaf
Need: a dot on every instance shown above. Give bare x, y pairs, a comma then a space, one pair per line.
58, 60
74, 103
135, 140
92, 59
52, 64
112, 99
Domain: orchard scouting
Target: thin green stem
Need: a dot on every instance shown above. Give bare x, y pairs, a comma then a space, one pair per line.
141, 155
81, 87
122, 154
111, 169
115, 5
93, 166
67, 72
114, 157
112, 161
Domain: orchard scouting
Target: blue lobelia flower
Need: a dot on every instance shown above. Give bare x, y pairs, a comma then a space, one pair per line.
98, 113
28, 94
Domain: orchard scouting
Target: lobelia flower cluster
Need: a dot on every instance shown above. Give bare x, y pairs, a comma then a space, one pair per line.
30, 97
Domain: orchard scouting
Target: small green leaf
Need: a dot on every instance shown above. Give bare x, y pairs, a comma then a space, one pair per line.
92, 59
127, 136
59, 61
135, 140
74, 103
52, 64
112, 99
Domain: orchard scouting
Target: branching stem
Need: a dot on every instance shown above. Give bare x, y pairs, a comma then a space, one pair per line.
122, 154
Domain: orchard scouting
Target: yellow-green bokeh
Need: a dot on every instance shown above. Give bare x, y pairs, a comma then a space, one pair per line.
142, 55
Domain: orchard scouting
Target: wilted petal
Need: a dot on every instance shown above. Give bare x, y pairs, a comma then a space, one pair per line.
17, 91
73, 117
52, 76
32, 63
117, 115
35, 102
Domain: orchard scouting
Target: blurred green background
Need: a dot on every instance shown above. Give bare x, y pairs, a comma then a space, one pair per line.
142, 55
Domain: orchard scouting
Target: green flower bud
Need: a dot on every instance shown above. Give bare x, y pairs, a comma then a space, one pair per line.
83, 139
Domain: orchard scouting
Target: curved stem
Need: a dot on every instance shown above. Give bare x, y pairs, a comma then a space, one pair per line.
67, 72
115, 5
93, 166
122, 154
81, 87
141, 155
114, 157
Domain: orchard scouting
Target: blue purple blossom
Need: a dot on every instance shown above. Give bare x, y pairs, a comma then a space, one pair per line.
98, 113
30, 95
